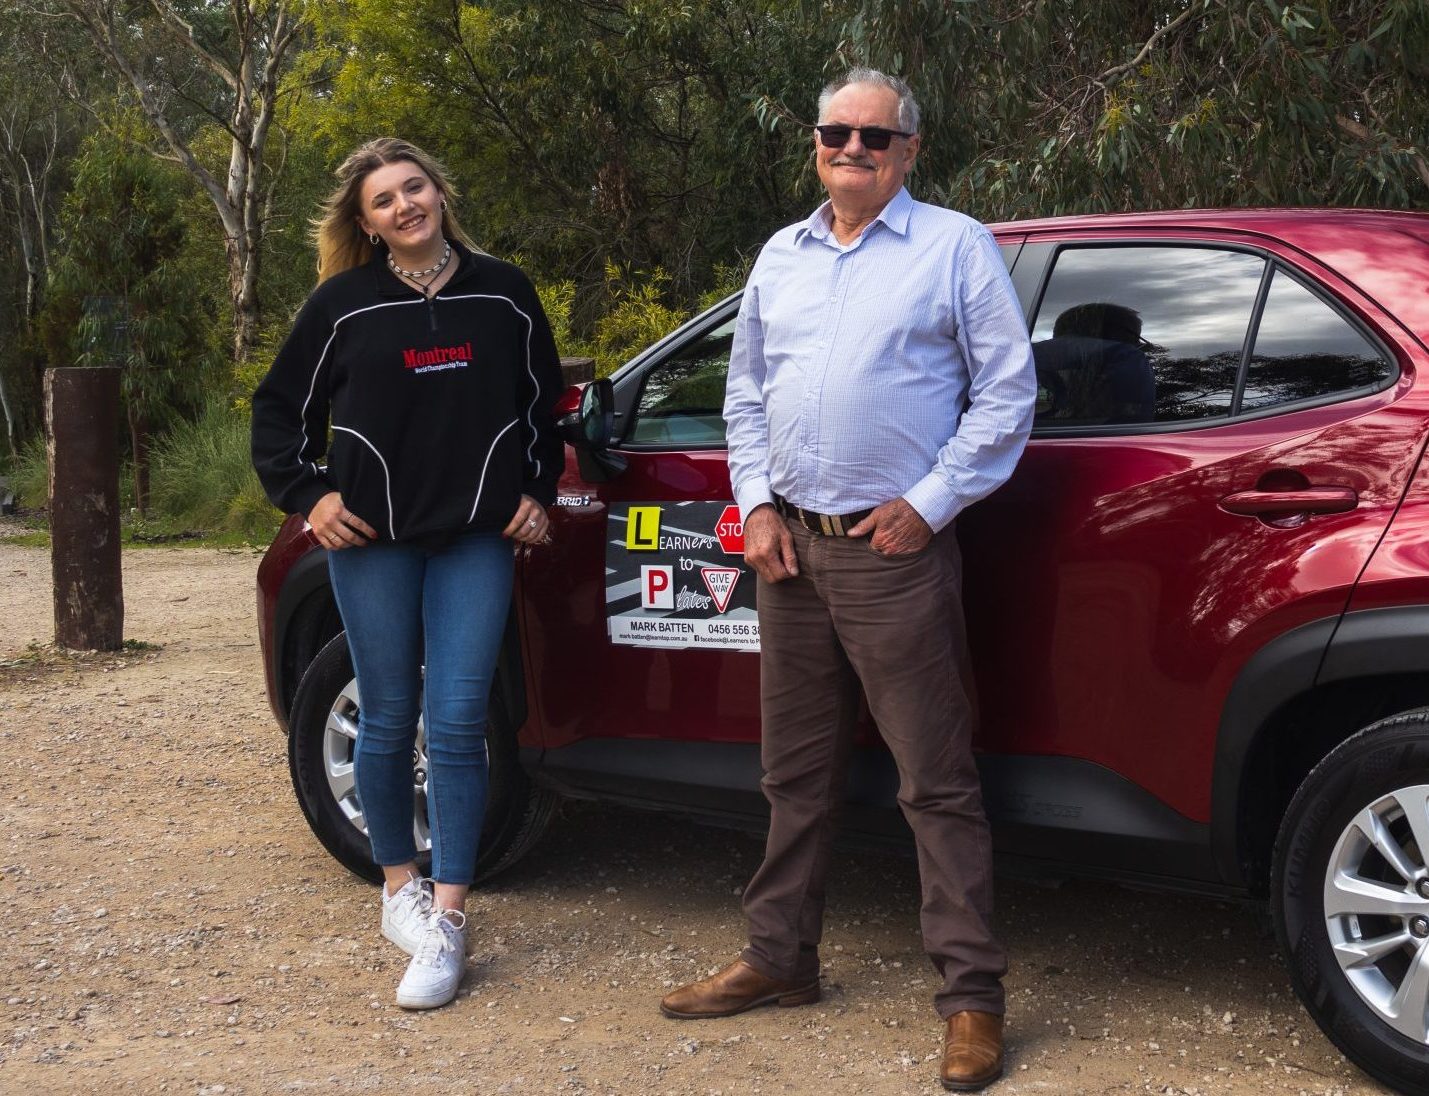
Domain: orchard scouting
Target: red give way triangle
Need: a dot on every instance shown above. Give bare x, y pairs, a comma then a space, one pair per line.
719, 581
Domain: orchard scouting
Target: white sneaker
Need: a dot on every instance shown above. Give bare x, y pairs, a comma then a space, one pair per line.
405, 914
437, 965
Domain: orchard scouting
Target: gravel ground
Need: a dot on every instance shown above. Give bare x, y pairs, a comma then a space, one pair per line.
171, 925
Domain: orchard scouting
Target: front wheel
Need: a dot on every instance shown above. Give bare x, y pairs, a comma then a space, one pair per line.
1350, 898
322, 734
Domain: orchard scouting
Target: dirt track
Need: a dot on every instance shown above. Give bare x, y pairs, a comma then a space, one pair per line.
170, 924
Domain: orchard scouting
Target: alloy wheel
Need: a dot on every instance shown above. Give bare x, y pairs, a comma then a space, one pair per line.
1377, 908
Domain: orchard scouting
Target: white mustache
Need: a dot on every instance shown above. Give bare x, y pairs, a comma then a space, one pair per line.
845, 161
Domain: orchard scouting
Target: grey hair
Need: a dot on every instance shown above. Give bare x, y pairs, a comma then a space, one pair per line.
907, 105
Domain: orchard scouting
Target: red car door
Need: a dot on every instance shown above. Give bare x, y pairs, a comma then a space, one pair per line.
1219, 446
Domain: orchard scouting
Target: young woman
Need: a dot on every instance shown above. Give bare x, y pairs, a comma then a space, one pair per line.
435, 369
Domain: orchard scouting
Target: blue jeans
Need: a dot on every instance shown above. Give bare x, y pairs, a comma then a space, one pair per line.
403, 607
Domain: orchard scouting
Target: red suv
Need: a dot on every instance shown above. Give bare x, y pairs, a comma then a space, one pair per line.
1199, 609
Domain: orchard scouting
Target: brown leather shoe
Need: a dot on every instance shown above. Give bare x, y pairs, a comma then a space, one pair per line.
736, 988
972, 1051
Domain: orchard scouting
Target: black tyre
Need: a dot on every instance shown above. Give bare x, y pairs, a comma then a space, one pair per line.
322, 731
1350, 898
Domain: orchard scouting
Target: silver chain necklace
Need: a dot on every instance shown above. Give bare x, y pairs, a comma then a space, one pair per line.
415, 275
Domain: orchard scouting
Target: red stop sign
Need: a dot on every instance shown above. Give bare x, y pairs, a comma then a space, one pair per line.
730, 530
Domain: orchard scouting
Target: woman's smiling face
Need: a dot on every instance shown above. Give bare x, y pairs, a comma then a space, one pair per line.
402, 205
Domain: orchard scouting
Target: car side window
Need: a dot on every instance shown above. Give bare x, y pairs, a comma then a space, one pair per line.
1142, 334
1304, 349
681, 400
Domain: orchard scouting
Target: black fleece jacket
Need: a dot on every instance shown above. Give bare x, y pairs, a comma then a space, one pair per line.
440, 410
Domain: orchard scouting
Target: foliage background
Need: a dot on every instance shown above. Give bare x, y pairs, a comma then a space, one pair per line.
631, 156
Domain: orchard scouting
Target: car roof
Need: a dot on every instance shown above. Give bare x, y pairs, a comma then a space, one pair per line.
1384, 253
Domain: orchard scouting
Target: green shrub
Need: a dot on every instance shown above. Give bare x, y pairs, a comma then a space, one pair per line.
728, 278
203, 477
557, 301
638, 317
30, 475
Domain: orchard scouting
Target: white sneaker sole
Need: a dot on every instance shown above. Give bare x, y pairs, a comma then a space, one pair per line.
430, 998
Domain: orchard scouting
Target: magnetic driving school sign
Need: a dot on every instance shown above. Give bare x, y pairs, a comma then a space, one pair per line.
675, 577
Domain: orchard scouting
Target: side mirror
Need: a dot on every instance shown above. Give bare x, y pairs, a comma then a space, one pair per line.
597, 413
590, 429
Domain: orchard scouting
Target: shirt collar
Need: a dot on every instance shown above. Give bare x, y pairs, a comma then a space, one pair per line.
895, 215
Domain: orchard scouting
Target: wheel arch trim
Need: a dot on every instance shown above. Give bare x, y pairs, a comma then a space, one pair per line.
1283, 669
1363, 643
306, 577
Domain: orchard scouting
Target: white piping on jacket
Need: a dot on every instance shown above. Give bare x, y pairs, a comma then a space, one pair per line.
391, 517
313, 384
535, 388
481, 483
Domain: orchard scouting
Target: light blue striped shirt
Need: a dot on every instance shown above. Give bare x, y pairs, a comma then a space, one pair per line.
896, 366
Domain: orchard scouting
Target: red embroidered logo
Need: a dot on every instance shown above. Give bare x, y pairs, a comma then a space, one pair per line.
438, 358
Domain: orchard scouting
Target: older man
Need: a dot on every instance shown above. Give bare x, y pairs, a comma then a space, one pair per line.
881, 381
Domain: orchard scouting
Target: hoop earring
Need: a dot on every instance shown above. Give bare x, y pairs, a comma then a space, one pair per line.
376, 239
444, 205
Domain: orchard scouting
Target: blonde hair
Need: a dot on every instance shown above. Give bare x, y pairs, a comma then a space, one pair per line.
341, 242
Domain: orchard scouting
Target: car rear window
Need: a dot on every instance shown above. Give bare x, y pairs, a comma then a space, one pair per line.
1304, 349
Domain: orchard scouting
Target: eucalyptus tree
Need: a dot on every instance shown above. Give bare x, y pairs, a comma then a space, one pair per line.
1037, 107
39, 132
586, 132
126, 289
192, 65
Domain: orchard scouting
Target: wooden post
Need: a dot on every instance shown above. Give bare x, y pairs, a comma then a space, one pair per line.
82, 410
577, 370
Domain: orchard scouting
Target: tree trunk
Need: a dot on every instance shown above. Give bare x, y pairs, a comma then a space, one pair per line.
9, 417
245, 310
244, 198
82, 409
33, 273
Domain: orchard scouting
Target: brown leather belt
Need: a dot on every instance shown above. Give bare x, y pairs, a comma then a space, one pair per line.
828, 525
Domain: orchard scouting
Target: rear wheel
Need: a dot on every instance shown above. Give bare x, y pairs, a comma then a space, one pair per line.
1350, 898
322, 732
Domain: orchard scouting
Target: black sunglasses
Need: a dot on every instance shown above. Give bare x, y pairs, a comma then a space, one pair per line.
875, 138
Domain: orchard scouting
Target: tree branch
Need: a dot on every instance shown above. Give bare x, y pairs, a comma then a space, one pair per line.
183, 33
1112, 75
102, 33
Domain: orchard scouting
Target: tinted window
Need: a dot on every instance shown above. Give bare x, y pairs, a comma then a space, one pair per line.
682, 400
1305, 349
1141, 334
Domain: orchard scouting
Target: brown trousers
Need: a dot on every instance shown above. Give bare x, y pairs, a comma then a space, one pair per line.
896, 626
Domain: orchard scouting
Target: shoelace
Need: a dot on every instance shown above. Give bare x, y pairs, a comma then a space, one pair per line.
426, 895
442, 935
